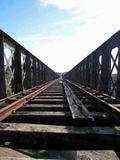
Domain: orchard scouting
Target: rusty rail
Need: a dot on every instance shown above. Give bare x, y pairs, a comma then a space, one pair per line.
107, 106
6, 111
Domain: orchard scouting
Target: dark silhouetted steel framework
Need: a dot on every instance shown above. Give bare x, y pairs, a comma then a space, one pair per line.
100, 70
19, 69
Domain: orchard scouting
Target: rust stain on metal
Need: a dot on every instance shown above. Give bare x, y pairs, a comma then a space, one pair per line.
6, 111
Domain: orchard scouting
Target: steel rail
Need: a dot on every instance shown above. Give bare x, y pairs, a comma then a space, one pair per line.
107, 106
6, 111
98, 92
25, 92
78, 105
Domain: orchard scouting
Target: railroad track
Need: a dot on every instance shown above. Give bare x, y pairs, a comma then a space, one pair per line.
59, 115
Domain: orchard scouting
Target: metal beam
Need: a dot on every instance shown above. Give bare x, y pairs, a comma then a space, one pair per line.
27, 69
105, 68
118, 77
17, 71
2, 69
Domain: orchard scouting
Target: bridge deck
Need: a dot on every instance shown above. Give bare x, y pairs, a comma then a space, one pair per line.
42, 123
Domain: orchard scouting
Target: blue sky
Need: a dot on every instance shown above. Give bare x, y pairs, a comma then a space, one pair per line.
60, 32
28, 17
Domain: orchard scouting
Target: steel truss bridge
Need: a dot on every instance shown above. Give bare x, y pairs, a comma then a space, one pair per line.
41, 109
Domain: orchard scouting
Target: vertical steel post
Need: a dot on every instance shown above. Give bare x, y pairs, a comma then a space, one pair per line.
39, 72
34, 71
48, 74
79, 73
91, 70
75, 75
85, 73
17, 71
82, 73
88, 71
27, 68
2, 69
118, 77
94, 76
105, 68
44, 73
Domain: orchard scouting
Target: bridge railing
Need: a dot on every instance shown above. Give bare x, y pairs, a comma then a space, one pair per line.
101, 69
20, 69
